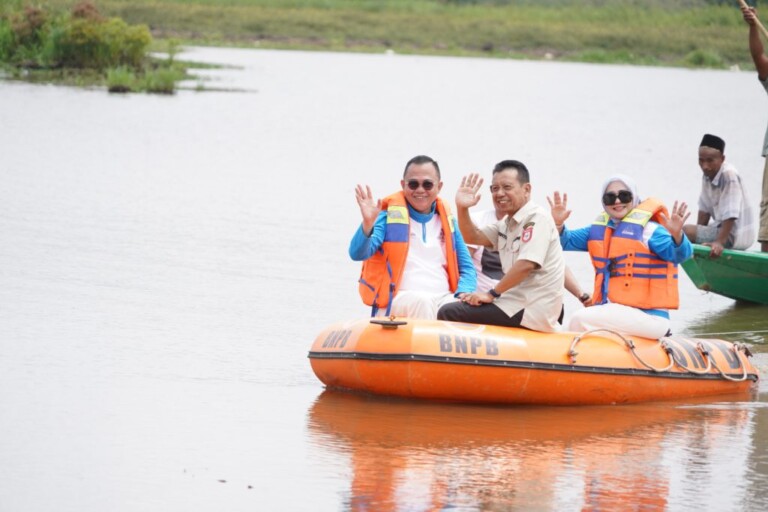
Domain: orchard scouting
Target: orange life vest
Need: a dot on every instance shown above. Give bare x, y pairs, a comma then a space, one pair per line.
627, 272
380, 277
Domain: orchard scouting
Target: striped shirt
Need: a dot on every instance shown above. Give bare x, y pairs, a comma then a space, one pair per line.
724, 197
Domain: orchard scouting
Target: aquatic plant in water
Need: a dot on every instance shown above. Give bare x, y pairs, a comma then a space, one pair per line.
120, 79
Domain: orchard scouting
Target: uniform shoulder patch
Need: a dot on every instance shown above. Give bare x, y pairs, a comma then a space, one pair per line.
527, 232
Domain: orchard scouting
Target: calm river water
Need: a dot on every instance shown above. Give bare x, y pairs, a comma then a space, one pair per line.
166, 262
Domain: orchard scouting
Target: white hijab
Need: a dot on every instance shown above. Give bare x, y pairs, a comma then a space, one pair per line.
627, 181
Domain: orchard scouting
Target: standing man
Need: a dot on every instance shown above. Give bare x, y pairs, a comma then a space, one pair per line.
414, 258
722, 200
761, 64
530, 294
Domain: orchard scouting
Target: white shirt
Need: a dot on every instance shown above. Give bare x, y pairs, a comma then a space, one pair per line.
426, 267
724, 197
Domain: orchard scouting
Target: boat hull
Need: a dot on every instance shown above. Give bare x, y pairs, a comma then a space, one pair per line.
738, 275
450, 361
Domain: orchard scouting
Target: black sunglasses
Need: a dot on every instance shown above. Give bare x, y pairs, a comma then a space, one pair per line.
426, 184
624, 196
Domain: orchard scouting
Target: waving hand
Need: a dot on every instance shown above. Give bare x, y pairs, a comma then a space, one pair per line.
558, 207
674, 223
468, 193
369, 208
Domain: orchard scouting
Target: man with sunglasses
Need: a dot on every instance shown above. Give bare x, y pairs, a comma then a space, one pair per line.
414, 257
723, 200
530, 293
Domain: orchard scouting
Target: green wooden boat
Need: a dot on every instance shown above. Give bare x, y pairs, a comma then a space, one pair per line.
740, 275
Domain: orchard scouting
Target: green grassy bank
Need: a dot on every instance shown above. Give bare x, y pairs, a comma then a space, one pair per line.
699, 33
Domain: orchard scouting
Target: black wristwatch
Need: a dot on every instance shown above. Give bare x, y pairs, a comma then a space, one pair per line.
494, 293
584, 297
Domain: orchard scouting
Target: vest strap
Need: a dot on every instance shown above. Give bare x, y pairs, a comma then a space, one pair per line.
391, 289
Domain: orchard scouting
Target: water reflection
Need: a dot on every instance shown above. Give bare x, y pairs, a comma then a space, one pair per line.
168, 283
741, 321
417, 456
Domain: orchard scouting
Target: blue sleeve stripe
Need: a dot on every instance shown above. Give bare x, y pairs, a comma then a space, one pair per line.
397, 233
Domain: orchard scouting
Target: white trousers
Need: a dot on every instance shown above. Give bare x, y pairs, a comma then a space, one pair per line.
617, 317
415, 304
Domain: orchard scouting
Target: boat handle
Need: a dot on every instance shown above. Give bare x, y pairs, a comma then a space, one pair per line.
388, 323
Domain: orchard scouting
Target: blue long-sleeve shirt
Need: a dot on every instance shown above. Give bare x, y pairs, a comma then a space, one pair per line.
660, 242
363, 247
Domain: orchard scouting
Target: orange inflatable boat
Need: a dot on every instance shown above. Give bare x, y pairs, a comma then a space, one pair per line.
449, 361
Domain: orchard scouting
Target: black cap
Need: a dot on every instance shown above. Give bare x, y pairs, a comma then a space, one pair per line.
713, 141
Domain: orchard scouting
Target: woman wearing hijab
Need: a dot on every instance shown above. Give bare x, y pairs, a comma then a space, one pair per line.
635, 248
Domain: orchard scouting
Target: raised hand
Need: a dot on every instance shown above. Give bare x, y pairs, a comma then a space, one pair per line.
558, 207
468, 195
674, 223
749, 14
369, 208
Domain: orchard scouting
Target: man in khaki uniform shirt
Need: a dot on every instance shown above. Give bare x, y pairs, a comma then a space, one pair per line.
531, 292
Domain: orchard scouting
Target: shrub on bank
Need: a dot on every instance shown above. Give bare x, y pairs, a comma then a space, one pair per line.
701, 58
82, 39
6, 41
100, 44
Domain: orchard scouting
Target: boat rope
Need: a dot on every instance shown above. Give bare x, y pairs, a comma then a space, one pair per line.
629, 343
738, 349
701, 348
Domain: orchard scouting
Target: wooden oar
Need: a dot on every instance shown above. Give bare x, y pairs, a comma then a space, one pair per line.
759, 25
